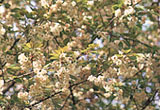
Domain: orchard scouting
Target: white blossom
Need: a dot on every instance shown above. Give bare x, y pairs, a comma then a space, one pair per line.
64, 4
22, 58
23, 95
129, 11
2, 9
59, 2
91, 78
1, 83
2, 30
76, 53
44, 3
127, 2
117, 12
53, 8
114, 57
56, 29
73, 3
91, 3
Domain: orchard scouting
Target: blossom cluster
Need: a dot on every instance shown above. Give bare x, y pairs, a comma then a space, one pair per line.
78, 54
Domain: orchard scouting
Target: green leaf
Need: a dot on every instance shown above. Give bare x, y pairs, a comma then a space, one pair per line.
73, 77
14, 67
18, 80
93, 70
7, 5
14, 99
9, 52
66, 41
120, 45
133, 57
126, 51
15, 9
127, 43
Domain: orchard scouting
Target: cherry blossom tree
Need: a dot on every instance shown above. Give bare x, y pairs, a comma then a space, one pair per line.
79, 55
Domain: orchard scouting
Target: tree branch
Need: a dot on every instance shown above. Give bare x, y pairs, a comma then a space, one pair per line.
71, 93
150, 99
65, 102
7, 89
30, 106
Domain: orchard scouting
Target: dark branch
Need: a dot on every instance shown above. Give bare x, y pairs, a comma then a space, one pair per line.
30, 106
71, 92
70, 88
7, 89
78, 83
150, 99
65, 102
16, 40
1, 1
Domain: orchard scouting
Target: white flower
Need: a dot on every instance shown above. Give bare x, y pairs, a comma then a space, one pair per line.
85, 18
119, 72
22, 58
57, 84
118, 62
129, 11
64, 4
91, 78
62, 55
127, 2
37, 64
140, 66
41, 78
23, 95
140, 57
107, 88
56, 29
114, 57
158, 102
53, 8
107, 95
136, 1
117, 12
100, 78
73, 3
44, 3
42, 72
1, 83
91, 3
59, 2
2, 9
120, 52
83, 27
60, 72
71, 44
86, 67
76, 53
2, 30
36, 70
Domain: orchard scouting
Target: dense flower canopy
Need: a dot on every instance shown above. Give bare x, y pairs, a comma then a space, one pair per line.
79, 55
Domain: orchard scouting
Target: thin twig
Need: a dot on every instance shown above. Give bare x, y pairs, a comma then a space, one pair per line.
135, 104
71, 92
13, 82
74, 102
15, 42
65, 102
150, 99
30, 106
135, 40
20, 76
8, 87
78, 83
101, 18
